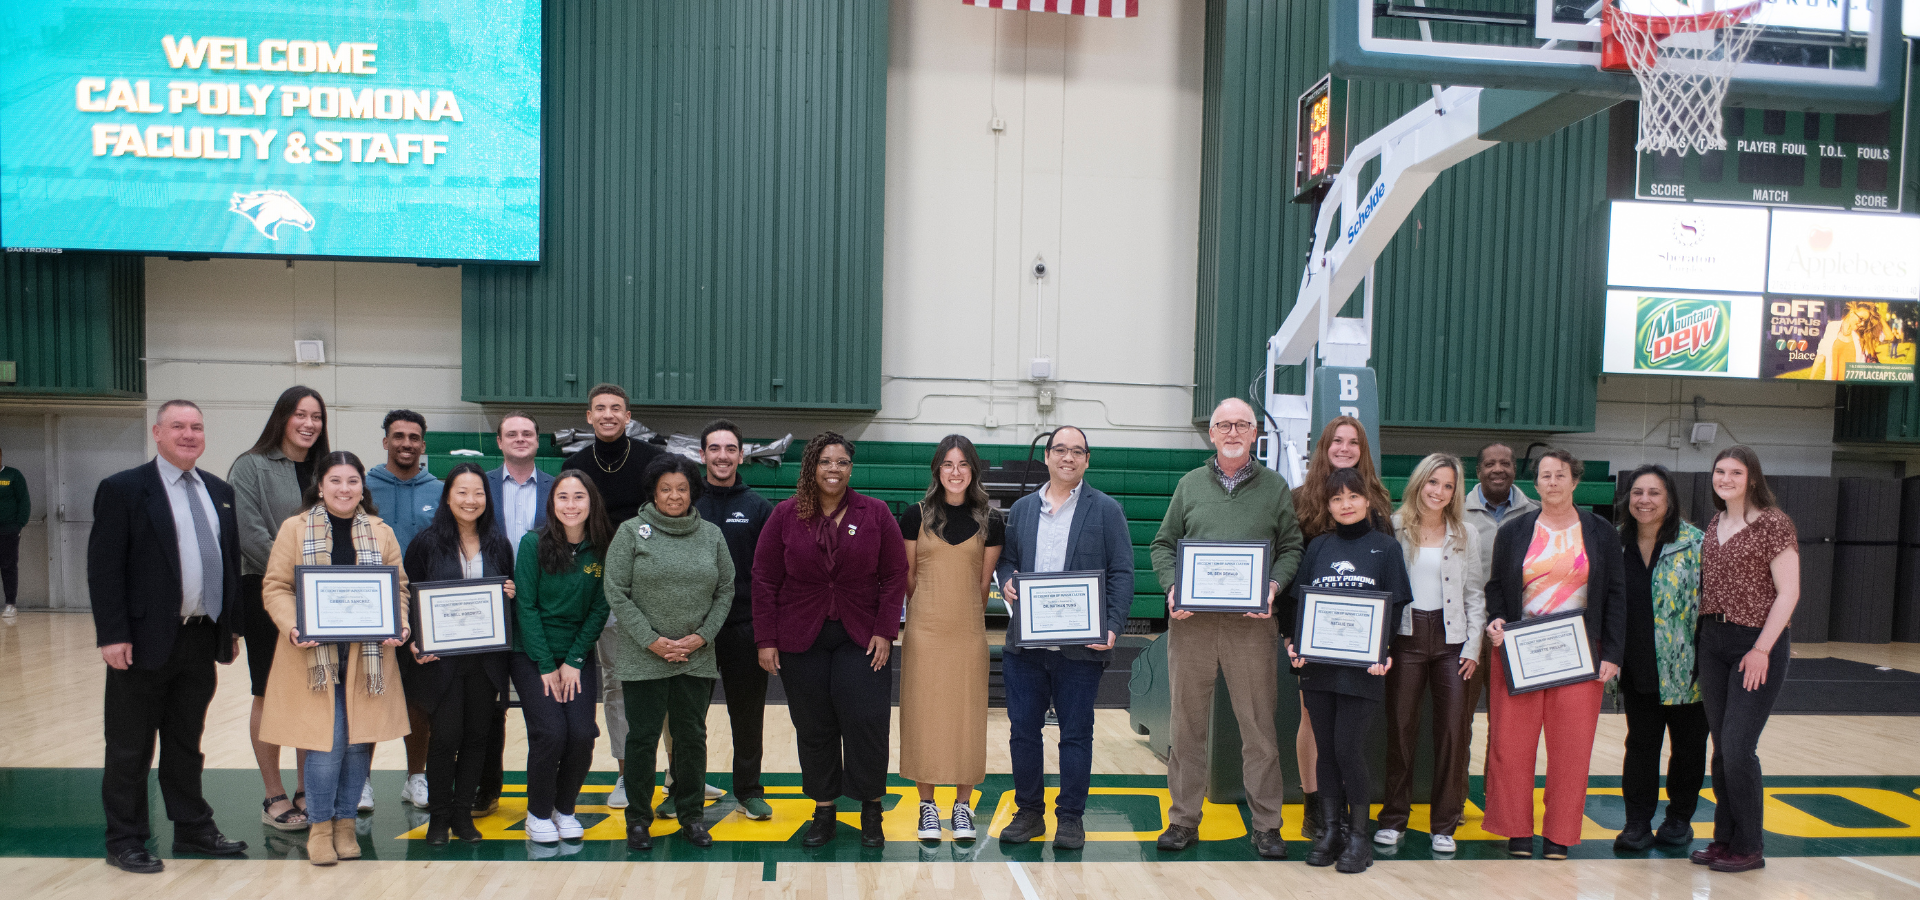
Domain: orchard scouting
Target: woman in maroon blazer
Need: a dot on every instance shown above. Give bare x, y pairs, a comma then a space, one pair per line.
829, 576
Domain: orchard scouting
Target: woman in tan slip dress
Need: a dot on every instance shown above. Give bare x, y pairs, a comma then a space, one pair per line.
953, 543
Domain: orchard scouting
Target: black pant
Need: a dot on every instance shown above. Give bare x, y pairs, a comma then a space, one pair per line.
559, 736
492, 777
1648, 724
261, 634
170, 701
679, 702
10, 565
842, 716
745, 684
1736, 717
1340, 723
457, 745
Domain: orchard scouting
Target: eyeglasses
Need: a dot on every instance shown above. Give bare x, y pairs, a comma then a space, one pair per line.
1232, 427
1069, 452
950, 466
836, 464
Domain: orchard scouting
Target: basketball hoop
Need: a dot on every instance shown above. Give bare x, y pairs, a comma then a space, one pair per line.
1683, 82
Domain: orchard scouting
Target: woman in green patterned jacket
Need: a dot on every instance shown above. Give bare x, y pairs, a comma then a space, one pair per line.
1656, 681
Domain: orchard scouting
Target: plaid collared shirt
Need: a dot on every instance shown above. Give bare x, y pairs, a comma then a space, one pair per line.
1229, 483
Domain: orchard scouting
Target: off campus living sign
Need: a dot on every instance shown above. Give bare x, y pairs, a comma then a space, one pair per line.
347, 128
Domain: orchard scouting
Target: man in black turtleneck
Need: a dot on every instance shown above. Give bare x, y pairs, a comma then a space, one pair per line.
614, 461
740, 512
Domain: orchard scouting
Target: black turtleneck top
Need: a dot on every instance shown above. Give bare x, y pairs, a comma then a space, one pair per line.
617, 469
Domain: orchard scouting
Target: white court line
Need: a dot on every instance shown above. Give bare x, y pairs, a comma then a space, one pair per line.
1026, 887
1871, 868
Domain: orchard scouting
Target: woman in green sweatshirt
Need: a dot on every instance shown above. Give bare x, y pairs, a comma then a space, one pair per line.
670, 585
562, 608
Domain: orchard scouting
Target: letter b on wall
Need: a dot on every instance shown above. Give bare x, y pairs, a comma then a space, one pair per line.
1341, 391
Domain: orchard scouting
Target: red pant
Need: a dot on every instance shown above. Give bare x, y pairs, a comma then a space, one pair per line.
1568, 716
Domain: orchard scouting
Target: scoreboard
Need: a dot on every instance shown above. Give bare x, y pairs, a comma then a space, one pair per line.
1321, 138
1787, 158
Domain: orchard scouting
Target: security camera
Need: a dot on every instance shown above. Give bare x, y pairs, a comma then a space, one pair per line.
1039, 268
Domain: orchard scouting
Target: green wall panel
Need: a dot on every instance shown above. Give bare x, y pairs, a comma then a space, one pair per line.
73, 324
713, 220
1488, 302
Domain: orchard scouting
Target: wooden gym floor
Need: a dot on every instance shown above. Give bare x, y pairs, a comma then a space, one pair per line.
1848, 826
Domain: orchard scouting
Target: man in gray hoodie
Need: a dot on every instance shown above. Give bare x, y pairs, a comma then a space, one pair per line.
407, 497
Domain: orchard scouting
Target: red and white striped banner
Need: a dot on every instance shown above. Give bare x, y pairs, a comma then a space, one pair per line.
1110, 9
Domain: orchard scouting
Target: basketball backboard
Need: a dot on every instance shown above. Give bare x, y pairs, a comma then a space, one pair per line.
1834, 55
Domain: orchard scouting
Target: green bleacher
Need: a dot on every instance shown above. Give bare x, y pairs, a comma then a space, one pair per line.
1141, 479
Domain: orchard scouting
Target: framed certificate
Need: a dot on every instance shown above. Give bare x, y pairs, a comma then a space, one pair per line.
1222, 576
1548, 651
1343, 627
341, 604
468, 616
1061, 609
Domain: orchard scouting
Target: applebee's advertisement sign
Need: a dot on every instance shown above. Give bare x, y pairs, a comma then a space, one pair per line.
1838, 255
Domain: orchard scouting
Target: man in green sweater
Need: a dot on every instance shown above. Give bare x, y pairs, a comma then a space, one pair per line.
15, 509
1231, 498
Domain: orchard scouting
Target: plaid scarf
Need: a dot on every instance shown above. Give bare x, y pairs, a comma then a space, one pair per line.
316, 549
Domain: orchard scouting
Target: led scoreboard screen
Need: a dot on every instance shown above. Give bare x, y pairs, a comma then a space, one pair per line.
1322, 138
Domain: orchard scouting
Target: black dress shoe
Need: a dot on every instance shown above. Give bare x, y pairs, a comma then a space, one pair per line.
640, 836
1636, 837
213, 843
1068, 834
136, 860
1674, 833
825, 823
696, 833
437, 829
464, 829
872, 821
1025, 827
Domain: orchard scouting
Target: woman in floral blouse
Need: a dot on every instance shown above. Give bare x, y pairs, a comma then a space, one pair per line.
1662, 557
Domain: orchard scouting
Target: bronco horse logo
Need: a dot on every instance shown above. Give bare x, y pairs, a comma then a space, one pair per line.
268, 210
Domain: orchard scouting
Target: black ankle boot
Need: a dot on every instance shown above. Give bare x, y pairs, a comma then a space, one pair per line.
1358, 856
872, 834
1314, 821
437, 826
1333, 835
825, 823
464, 830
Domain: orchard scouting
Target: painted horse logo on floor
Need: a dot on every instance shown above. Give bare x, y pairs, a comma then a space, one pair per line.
268, 210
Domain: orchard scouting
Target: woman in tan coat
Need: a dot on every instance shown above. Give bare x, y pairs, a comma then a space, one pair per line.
327, 699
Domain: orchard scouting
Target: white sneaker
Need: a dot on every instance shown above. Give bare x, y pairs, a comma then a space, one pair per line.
714, 793
1443, 843
366, 797
929, 821
1387, 837
9, 613
568, 826
542, 831
963, 822
414, 791
617, 798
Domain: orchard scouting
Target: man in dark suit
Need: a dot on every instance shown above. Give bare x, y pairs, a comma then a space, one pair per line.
519, 493
1066, 526
163, 568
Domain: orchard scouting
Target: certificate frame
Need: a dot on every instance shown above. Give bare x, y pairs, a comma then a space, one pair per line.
1524, 671
1088, 625
435, 603
1199, 594
1318, 604
381, 621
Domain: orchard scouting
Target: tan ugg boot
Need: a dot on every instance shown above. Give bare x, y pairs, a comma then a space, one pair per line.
346, 842
320, 843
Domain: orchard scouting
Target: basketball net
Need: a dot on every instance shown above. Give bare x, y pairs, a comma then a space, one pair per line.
1683, 64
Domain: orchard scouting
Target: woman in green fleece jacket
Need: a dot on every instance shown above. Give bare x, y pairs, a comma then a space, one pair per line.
670, 585
562, 608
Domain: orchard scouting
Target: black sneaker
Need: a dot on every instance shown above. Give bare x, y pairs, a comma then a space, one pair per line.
1674, 833
1552, 850
1269, 845
872, 830
1521, 847
1177, 837
1068, 834
1635, 838
695, 832
640, 835
1025, 827
825, 824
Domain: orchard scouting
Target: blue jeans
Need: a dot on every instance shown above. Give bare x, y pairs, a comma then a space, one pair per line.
1035, 680
335, 777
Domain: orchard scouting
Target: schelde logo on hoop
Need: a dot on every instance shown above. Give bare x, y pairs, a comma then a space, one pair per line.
268, 210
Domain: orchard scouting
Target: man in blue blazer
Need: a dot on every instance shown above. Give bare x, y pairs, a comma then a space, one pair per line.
163, 571
1066, 526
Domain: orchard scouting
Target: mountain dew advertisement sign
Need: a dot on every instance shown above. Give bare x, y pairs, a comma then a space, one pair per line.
1675, 334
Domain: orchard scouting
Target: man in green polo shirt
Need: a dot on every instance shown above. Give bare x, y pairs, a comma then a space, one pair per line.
1231, 498
15, 508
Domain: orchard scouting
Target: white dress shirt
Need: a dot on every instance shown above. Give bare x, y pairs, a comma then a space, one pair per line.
178, 496
517, 505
